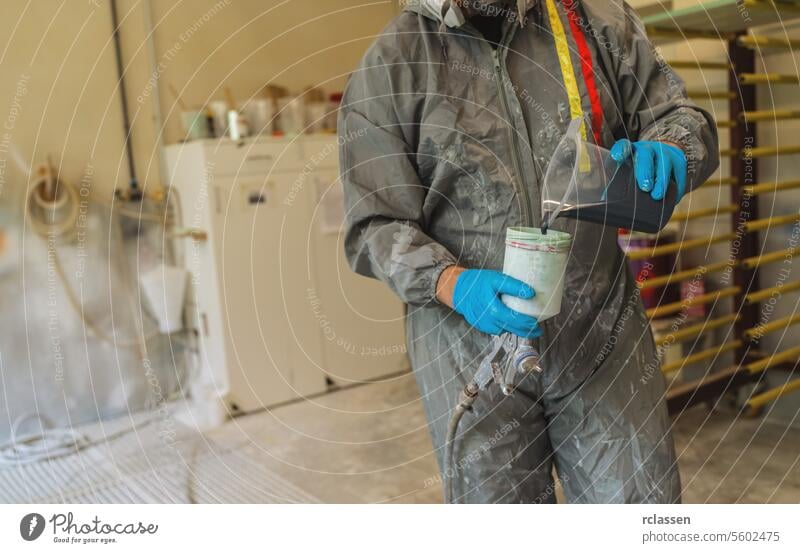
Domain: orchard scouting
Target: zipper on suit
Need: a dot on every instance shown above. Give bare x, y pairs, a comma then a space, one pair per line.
516, 155
515, 150
501, 90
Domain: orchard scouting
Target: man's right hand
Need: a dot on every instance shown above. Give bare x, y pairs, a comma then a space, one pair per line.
475, 294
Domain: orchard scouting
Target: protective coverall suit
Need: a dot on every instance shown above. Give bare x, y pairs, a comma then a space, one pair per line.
445, 139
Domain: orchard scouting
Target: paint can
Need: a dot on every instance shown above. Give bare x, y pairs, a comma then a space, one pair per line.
539, 260
259, 113
292, 115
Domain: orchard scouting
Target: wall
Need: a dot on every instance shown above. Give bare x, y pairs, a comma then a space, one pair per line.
59, 93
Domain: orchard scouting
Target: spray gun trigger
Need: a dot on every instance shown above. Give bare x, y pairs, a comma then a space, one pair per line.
507, 384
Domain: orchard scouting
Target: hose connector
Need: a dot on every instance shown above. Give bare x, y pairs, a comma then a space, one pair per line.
468, 395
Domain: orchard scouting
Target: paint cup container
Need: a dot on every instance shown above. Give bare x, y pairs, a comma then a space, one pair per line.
195, 125
539, 260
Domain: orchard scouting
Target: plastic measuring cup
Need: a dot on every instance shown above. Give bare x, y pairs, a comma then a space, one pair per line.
539, 260
584, 182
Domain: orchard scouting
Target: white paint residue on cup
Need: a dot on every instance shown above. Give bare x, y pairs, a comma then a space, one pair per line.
539, 260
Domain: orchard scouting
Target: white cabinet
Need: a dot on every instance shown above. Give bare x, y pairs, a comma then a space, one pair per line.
365, 337
279, 313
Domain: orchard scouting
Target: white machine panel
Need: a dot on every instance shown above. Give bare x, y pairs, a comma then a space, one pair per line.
365, 338
279, 313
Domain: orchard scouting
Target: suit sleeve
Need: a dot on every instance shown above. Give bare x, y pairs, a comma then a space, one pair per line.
385, 228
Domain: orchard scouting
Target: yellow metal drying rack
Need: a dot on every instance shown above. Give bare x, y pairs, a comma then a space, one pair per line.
732, 21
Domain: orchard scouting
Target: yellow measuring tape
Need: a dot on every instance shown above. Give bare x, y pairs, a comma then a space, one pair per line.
568, 74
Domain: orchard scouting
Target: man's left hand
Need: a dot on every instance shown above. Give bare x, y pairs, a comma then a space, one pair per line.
655, 165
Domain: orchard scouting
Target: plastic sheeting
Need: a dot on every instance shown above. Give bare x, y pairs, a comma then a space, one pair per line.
122, 466
52, 365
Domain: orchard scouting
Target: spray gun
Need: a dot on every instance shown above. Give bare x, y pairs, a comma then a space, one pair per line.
539, 260
507, 357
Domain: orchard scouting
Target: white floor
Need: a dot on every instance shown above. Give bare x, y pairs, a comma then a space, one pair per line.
365, 444
158, 462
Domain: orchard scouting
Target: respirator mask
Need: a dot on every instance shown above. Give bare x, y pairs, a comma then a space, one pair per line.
515, 9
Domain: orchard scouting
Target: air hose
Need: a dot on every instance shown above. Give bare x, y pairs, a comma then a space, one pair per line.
465, 401
507, 356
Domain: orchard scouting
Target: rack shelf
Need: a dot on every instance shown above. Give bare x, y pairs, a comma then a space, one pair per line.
732, 21
721, 17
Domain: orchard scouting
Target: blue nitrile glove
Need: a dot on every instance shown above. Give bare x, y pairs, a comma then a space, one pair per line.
477, 298
655, 164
